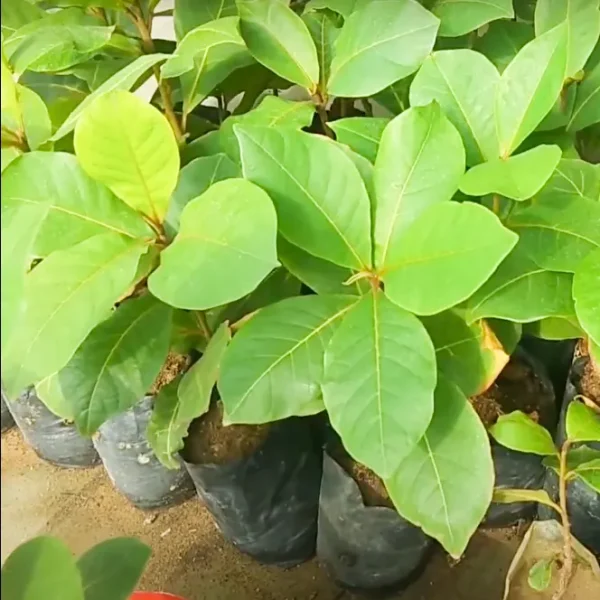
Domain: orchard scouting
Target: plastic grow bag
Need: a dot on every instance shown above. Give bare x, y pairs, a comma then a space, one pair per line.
266, 504
7, 418
131, 464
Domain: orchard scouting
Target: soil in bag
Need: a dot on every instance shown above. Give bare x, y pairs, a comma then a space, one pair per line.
364, 544
52, 438
583, 502
260, 483
7, 419
522, 385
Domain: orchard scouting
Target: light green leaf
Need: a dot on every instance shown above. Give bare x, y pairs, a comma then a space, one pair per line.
554, 328
174, 409
41, 569
307, 176
420, 162
126, 79
590, 473
529, 88
117, 363
573, 178
521, 291
112, 568
394, 36
380, 375
278, 38
517, 177
78, 207
464, 83
190, 14
508, 496
194, 179
586, 110
8, 156
66, 295
583, 423
36, 120
128, 145
576, 457
362, 134
465, 239
12, 118
230, 230
458, 17
583, 27
50, 393
324, 30
519, 432
16, 13
445, 485
273, 368
503, 40
558, 231
540, 574
586, 292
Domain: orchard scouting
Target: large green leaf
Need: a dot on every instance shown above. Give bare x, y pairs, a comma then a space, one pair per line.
460, 17
36, 119
322, 203
583, 24
78, 207
67, 295
273, 368
324, 29
112, 568
590, 473
521, 291
380, 43
16, 13
42, 569
503, 40
462, 239
529, 88
445, 485
586, 110
278, 38
464, 83
189, 14
420, 162
573, 179
380, 375
583, 423
517, 177
126, 79
520, 432
175, 408
194, 179
128, 145
117, 363
558, 231
225, 247
586, 291
361, 134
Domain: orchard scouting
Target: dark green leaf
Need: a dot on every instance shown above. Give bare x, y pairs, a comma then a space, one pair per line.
519, 432
586, 110
190, 14
362, 134
503, 40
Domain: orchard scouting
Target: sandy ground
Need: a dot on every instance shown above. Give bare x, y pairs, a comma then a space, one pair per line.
190, 557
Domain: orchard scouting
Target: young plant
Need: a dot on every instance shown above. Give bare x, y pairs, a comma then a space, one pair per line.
573, 460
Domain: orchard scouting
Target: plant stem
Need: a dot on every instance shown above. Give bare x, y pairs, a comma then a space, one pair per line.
567, 568
203, 324
496, 204
323, 118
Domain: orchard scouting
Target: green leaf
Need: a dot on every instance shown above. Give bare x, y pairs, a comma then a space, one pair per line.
409, 176
306, 177
464, 239
117, 363
394, 36
554, 328
458, 18
278, 38
508, 496
519, 432
50, 393
273, 368
41, 569
586, 110
78, 207
576, 457
573, 178
583, 23
324, 30
558, 231
394, 98
464, 83
540, 574
529, 88
583, 423
517, 177
380, 375
230, 229
67, 295
175, 409
503, 41
590, 473
126, 79
342, 7
586, 292
112, 568
36, 120
445, 485
362, 134
521, 291
190, 14
16, 13
128, 145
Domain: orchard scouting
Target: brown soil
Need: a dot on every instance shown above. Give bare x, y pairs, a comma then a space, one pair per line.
209, 441
174, 365
518, 387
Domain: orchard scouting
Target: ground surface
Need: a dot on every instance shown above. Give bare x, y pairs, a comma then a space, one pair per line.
189, 555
